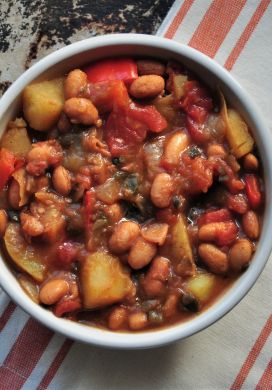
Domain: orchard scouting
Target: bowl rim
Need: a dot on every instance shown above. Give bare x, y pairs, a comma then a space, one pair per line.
147, 339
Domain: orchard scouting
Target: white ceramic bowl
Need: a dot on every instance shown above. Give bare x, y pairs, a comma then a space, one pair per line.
88, 50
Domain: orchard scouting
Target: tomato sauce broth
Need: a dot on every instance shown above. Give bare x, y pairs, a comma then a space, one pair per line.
131, 196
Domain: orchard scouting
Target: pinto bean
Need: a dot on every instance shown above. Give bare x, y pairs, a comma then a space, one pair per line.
240, 254
141, 253
150, 67
213, 258
170, 306
53, 290
14, 194
174, 146
123, 237
61, 180
162, 190
155, 233
3, 222
147, 86
251, 225
159, 269
223, 233
64, 125
81, 110
251, 162
117, 318
216, 150
74, 83
137, 320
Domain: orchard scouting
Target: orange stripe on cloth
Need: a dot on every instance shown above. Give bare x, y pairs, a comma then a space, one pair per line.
253, 354
48, 377
24, 355
266, 380
178, 18
215, 25
236, 51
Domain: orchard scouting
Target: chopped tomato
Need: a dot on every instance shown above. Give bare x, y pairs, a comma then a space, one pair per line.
127, 128
107, 95
166, 215
237, 203
226, 175
196, 131
149, 116
196, 102
221, 215
197, 174
253, 191
112, 69
89, 203
123, 133
67, 252
7, 166
67, 306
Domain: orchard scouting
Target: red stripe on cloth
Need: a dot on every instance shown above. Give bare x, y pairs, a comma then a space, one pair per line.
24, 355
253, 354
46, 380
266, 380
178, 18
215, 25
6, 315
236, 51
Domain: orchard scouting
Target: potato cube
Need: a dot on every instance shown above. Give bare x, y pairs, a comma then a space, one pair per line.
181, 248
27, 258
237, 134
16, 140
103, 280
43, 103
201, 286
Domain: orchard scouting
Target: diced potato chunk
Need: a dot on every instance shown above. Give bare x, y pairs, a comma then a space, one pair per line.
29, 287
108, 192
26, 257
181, 247
16, 140
179, 81
165, 106
201, 286
43, 103
103, 280
237, 134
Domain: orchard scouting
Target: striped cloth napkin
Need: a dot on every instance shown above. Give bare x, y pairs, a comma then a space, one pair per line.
235, 353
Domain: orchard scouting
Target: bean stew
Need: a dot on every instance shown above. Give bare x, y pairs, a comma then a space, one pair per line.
131, 195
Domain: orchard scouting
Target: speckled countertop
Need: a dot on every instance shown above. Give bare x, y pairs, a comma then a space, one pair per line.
30, 29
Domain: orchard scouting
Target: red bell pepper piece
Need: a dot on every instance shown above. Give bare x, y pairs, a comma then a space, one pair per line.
112, 69
89, 203
7, 166
253, 190
221, 215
